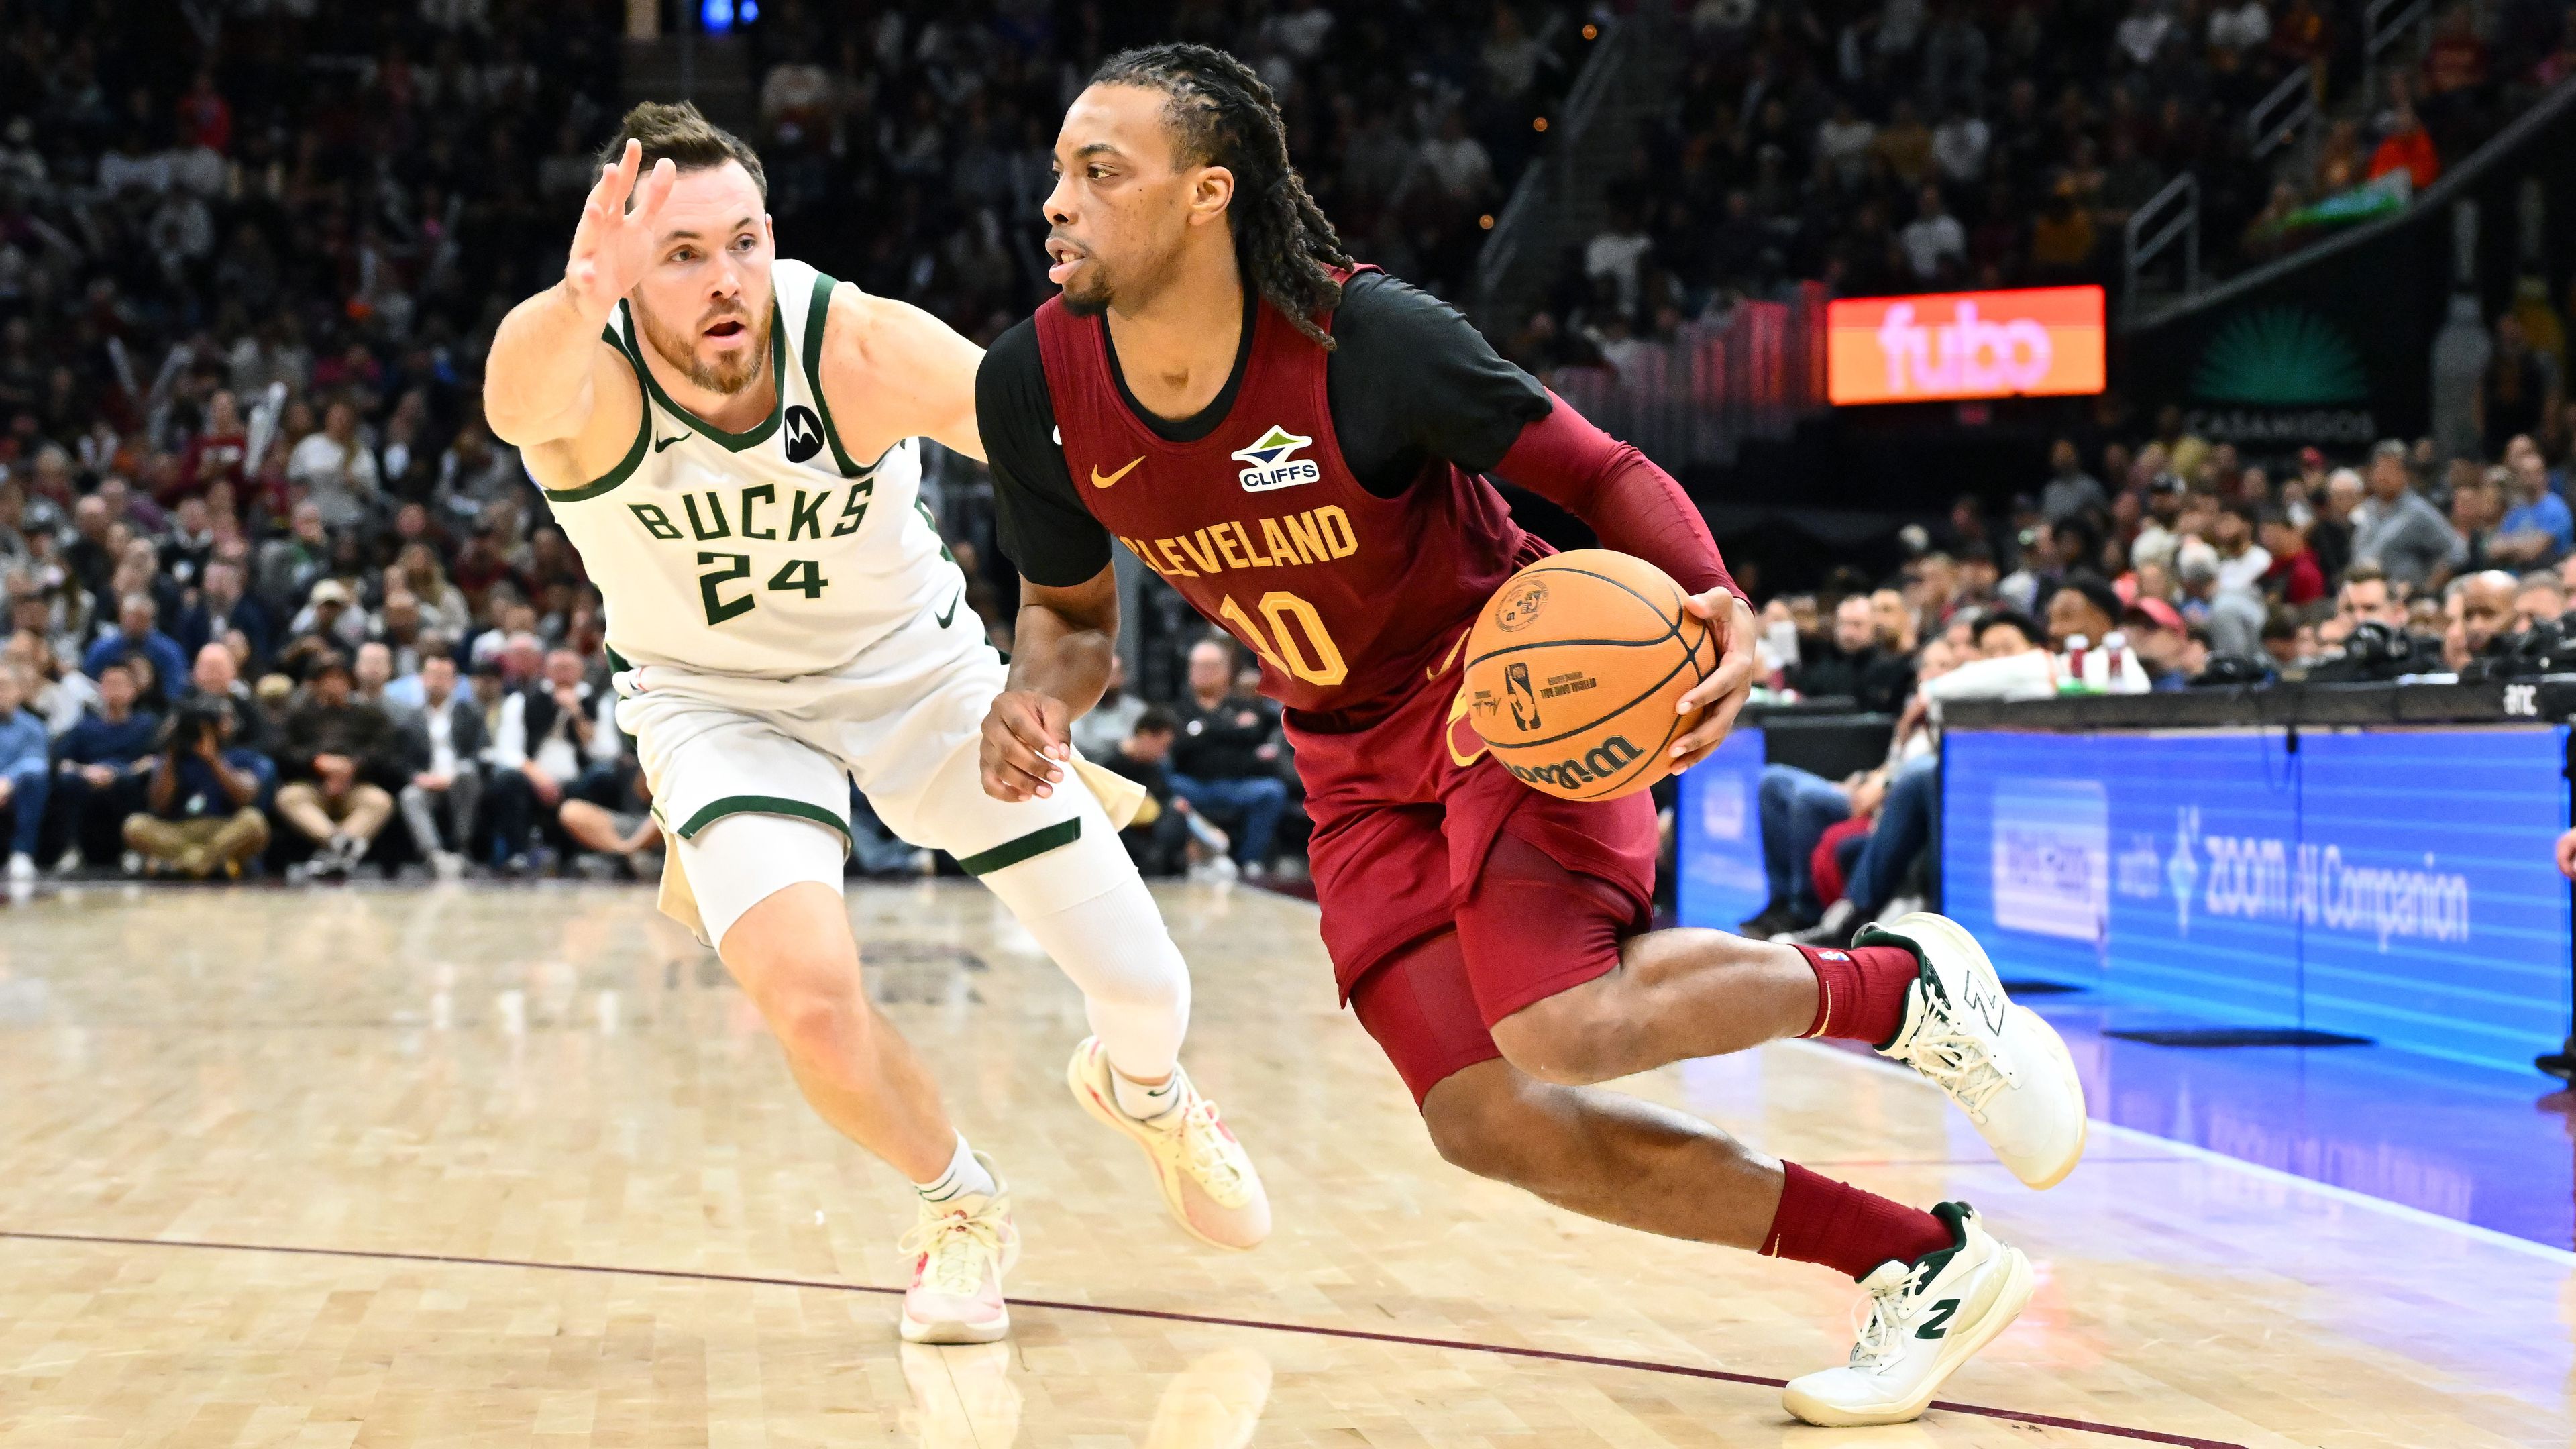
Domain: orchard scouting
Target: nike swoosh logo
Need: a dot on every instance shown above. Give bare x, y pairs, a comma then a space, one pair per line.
1099, 482
952, 610
660, 443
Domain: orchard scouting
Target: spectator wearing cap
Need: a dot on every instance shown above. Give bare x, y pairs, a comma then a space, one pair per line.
336, 752
222, 607
2295, 577
23, 774
138, 632
2156, 632
323, 626
2398, 529
2159, 534
97, 778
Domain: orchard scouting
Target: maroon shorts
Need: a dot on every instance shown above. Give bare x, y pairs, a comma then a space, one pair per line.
1453, 895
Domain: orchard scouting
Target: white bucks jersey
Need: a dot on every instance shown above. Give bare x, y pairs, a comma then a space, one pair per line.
770, 552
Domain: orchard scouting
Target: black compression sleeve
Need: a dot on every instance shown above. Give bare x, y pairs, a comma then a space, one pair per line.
1038, 518
1411, 380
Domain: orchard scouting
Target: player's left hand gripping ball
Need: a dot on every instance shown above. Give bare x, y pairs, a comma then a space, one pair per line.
1718, 698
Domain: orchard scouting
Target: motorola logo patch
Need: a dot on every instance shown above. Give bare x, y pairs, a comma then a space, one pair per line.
804, 433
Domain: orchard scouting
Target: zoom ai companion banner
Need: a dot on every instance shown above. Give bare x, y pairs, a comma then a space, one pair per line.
2393, 884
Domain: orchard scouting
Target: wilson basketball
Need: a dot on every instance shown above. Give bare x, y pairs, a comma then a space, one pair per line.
1575, 668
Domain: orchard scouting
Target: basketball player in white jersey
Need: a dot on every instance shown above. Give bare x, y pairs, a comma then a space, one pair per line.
726, 437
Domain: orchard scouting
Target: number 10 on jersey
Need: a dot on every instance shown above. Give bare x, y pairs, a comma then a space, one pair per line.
1315, 659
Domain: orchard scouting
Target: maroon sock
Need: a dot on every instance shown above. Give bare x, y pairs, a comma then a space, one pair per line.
1860, 993
1848, 1230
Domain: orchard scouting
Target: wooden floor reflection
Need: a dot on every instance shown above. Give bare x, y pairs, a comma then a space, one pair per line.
482, 1166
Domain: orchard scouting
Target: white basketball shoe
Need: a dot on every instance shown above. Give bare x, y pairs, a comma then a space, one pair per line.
1206, 1178
1924, 1321
960, 1250
2004, 1066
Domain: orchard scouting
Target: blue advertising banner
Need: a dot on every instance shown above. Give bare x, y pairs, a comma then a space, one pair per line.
1717, 825
2394, 884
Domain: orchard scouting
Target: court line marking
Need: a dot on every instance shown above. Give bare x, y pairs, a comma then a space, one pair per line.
2019, 1416
2420, 1217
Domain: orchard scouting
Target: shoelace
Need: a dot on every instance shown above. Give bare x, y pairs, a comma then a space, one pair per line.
1956, 1061
956, 1247
1210, 1161
1883, 1331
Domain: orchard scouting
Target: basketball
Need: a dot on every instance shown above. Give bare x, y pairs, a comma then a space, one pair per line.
1574, 670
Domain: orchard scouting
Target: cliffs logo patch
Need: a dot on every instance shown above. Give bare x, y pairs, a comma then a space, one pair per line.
1274, 465
804, 433
1519, 606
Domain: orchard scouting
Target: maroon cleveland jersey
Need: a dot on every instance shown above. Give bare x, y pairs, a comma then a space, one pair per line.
1346, 597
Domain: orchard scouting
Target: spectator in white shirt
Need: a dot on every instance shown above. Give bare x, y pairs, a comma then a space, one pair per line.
335, 469
1934, 238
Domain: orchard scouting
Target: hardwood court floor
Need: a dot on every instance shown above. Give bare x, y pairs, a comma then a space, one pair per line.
465, 1166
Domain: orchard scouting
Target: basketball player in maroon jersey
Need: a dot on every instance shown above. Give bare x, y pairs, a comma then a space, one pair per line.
1294, 442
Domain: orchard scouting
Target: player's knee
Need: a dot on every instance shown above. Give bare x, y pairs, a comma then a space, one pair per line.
1566, 1039
1478, 1122
825, 1026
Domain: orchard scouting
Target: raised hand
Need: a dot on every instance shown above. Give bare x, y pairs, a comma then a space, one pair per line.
613, 245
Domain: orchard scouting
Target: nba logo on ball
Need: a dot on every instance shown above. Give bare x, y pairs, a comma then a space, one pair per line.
1516, 685
1272, 466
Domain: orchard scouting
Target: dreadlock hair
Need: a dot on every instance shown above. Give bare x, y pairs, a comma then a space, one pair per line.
1221, 114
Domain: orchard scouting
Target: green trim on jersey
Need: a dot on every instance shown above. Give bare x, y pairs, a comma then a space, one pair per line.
634, 458
818, 312
767, 805
735, 442
1012, 852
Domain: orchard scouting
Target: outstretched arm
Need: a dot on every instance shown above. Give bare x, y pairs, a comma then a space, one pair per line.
543, 383
1059, 664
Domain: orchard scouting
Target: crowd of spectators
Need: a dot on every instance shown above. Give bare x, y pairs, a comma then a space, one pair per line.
271, 586
2166, 562
1893, 146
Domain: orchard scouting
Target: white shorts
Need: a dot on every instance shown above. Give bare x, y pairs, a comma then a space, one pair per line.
903, 721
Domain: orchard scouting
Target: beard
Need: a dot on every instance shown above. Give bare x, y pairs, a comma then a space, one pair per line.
680, 350
1090, 300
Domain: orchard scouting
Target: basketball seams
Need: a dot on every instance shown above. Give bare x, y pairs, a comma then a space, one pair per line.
1652, 755
1690, 657
1697, 657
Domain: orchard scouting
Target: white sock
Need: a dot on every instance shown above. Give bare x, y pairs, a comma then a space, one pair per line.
1142, 1102
964, 1177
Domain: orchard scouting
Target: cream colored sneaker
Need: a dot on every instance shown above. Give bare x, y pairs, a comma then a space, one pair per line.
960, 1249
1924, 1322
1207, 1180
